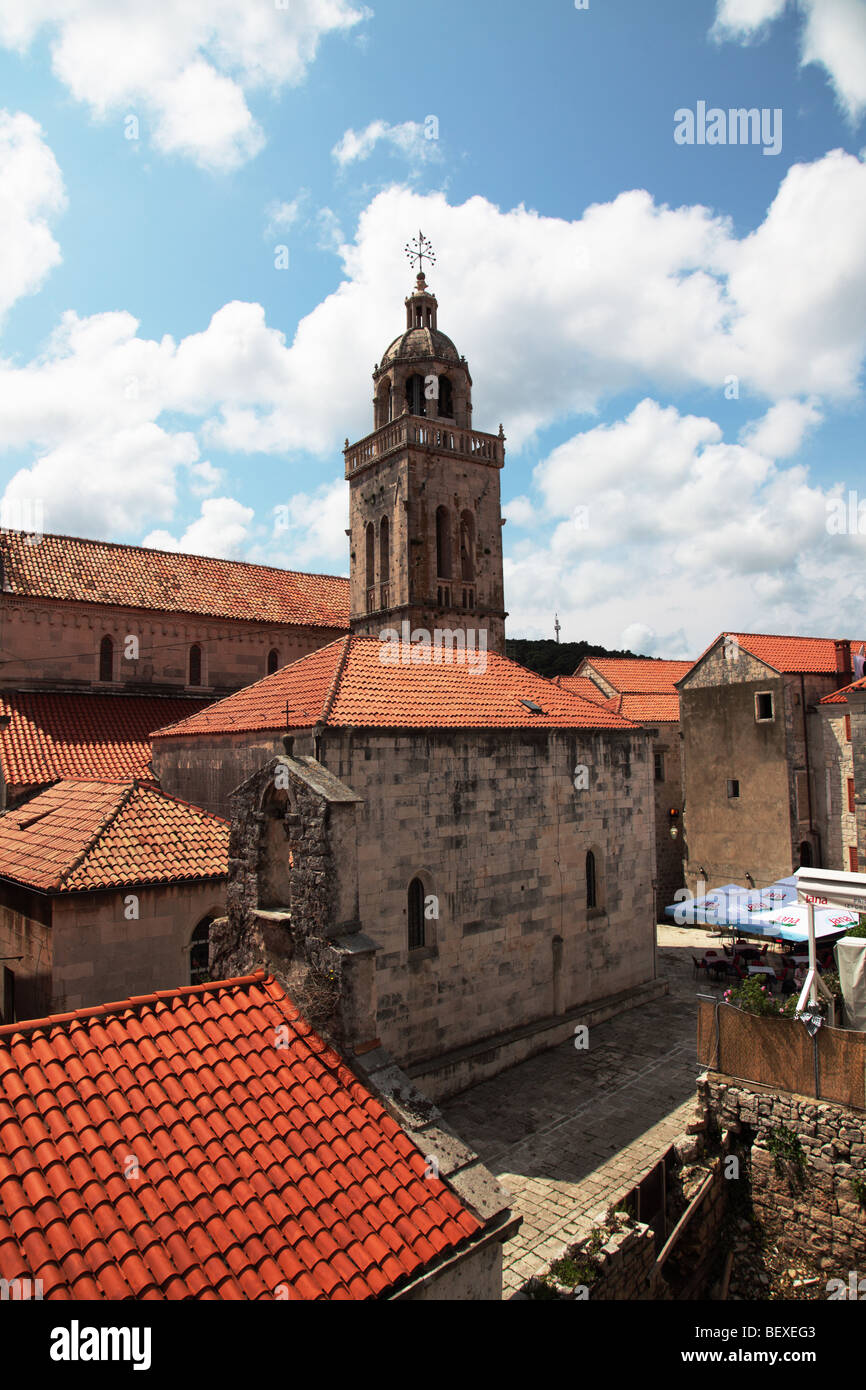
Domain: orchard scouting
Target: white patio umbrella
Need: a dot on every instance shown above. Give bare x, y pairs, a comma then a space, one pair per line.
820, 921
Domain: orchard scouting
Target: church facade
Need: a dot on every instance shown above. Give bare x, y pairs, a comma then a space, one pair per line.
440, 852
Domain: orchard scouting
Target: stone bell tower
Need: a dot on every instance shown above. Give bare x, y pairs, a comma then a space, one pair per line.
425, 519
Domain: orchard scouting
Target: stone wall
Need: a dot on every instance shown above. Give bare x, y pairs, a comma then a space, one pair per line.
668, 797
809, 1206
57, 645
834, 765
98, 954
493, 825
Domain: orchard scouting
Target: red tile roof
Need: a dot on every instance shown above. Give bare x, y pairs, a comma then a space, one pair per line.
815, 655
839, 697
86, 571
79, 836
103, 737
645, 690
639, 676
584, 687
348, 684
265, 1169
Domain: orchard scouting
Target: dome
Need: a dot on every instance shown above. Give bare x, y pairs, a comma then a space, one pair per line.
420, 343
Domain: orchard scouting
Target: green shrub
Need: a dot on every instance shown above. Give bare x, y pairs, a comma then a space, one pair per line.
752, 996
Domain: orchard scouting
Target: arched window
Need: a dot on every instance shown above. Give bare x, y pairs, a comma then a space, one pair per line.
416, 914
591, 883
446, 398
467, 546
415, 398
106, 659
384, 554
195, 664
273, 661
384, 404
443, 543
199, 953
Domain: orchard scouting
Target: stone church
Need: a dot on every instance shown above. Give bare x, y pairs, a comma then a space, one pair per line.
437, 850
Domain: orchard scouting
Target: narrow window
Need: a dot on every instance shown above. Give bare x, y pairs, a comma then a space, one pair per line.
805, 855
443, 544
467, 546
446, 398
659, 762
591, 885
273, 661
384, 551
847, 728
852, 859
106, 659
416, 914
195, 664
851, 804
733, 790
415, 398
371, 566
199, 955
764, 706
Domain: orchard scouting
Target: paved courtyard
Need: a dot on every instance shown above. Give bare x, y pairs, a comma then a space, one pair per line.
566, 1131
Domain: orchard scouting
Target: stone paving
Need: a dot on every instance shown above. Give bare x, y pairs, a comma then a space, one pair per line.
566, 1132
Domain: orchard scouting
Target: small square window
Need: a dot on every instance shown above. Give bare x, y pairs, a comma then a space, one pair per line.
733, 790
764, 706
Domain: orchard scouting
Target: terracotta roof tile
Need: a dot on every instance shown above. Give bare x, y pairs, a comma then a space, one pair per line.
816, 655
103, 737
639, 675
840, 697
88, 571
78, 836
349, 684
70, 1216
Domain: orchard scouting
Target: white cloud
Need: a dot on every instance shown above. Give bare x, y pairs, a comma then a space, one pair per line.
565, 315
283, 216
520, 512
223, 530
189, 66
408, 139
682, 536
834, 36
31, 193
781, 431
310, 529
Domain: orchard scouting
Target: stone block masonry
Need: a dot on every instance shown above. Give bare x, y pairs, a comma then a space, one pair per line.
804, 1188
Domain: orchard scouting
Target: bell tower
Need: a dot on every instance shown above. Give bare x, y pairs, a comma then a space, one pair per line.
425, 521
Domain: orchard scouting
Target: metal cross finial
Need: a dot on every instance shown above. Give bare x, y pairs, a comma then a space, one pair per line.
419, 250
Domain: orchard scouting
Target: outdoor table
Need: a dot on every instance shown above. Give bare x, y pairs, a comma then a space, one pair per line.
762, 970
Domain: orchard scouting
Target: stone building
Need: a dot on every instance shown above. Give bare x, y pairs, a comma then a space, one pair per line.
87, 615
644, 690
482, 840
753, 757
840, 782
425, 518
106, 890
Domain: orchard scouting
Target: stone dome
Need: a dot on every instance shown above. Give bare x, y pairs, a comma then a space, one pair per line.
420, 343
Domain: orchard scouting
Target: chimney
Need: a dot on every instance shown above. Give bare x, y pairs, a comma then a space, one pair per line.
844, 669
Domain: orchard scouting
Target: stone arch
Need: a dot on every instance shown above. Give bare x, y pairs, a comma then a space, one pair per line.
384, 403
276, 860
446, 398
422, 911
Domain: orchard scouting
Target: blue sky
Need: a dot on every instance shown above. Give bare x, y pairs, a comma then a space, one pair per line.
672, 334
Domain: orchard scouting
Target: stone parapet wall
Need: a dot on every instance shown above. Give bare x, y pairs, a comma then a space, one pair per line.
810, 1206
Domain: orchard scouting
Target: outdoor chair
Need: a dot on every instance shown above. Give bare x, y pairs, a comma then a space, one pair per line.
699, 966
